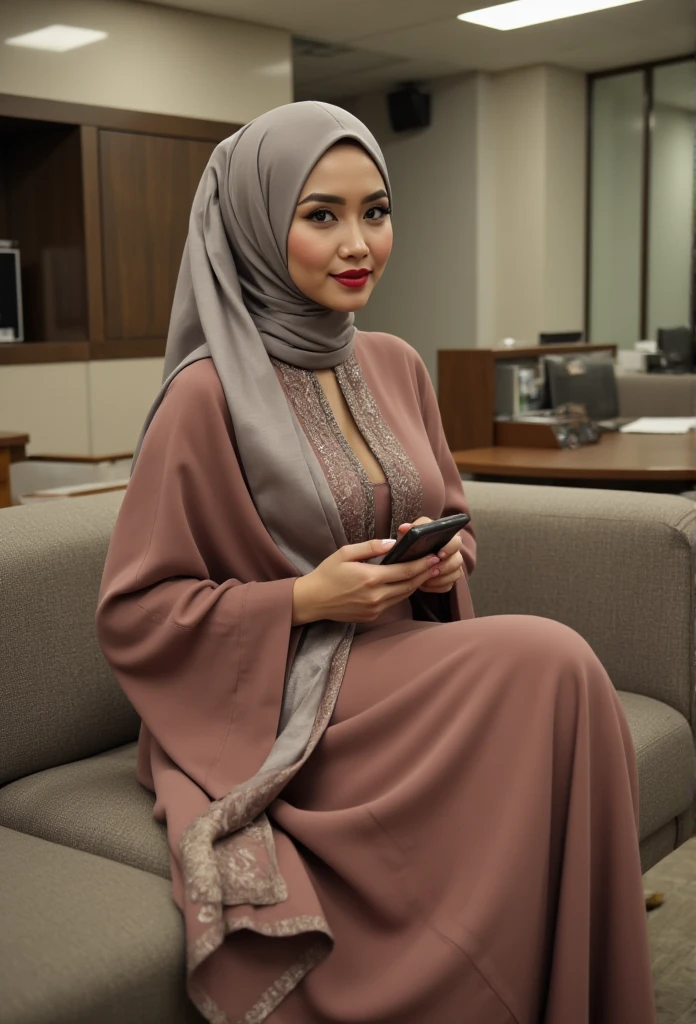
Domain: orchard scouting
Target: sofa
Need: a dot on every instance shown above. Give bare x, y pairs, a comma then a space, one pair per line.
89, 933
656, 394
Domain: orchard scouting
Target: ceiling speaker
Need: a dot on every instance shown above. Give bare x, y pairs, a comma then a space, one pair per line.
409, 107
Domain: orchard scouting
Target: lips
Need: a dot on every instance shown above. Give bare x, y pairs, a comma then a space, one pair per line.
352, 278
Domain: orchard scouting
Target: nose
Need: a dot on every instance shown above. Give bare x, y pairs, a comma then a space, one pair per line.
353, 244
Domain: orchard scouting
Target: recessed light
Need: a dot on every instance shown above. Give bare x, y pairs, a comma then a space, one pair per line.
57, 37
521, 13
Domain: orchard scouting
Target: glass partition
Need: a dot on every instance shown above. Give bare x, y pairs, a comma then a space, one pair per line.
671, 200
616, 190
642, 189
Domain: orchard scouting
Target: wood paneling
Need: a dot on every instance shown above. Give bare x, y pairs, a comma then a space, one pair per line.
466, 388
91, 206
118, 120
147, 185
44, 202
21, 353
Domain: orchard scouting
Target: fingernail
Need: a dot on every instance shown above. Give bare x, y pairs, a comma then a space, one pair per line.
404, 526
443, 554
388, 543
433, 560
434, 572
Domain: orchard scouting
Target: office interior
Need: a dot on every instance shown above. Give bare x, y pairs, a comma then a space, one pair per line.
544, 268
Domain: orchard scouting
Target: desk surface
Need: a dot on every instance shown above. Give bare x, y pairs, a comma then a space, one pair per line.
615, 457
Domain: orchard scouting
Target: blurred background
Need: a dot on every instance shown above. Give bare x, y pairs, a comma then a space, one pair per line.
543, 178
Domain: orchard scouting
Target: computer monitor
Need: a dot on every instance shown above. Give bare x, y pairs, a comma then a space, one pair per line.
564, 338
678, 345
587, 379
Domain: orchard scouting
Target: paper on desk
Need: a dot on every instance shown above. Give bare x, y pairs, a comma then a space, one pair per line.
660, 425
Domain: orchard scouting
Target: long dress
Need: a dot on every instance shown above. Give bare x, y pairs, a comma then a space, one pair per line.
467, 825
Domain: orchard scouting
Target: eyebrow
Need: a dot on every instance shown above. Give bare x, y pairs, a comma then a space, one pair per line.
322, 197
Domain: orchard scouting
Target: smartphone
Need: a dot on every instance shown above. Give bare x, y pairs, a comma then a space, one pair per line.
426, 539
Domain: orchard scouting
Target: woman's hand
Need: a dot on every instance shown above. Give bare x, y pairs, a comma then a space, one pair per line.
343, 588
451, 562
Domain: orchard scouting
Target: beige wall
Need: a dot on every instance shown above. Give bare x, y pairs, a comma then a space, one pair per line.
155, 59
94, 408
539, 169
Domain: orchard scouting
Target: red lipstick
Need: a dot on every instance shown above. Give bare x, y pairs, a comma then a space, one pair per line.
352, 278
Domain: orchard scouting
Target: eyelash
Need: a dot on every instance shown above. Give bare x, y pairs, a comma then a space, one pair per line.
384, 210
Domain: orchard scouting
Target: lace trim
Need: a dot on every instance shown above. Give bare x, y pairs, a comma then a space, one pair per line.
345, 473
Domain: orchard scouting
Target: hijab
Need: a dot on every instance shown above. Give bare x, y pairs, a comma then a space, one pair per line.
236, 303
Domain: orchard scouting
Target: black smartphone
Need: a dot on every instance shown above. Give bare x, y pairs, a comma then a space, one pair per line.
426, 539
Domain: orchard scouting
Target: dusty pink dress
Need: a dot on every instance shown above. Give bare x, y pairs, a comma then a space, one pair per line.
467, 825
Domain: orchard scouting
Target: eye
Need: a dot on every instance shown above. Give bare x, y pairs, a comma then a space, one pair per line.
380, 211
320, 216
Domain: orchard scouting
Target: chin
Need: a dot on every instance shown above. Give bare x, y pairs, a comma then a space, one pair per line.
350, 303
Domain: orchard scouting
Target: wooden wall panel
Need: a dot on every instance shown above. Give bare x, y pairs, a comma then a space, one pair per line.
147, 185
43, 184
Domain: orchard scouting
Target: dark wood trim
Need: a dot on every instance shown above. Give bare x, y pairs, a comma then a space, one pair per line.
131, 348
589, 100
31, 352
645, 198
627, 68
89, 459
117, 120
89, 142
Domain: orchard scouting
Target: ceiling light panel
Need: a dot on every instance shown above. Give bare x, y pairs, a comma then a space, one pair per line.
58, 38
521, 13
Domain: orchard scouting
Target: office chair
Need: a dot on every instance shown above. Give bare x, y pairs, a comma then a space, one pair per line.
678, 347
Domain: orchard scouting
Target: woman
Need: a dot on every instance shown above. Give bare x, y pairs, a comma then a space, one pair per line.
379, 808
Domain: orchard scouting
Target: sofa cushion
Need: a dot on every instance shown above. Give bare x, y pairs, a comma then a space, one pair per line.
84, 940
60, 701
96, 805
666, 760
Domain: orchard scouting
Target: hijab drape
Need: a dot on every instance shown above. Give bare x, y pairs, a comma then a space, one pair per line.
236, 303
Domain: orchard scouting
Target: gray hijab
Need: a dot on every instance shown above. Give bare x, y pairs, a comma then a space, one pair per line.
235, 302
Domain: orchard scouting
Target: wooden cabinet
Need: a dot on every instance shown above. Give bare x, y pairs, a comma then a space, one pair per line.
99, 201
147, 185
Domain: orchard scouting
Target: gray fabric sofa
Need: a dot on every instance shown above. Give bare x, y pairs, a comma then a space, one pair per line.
88, 931
656, 394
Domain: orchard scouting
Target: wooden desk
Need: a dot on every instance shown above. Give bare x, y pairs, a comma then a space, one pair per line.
12, 449
648, 461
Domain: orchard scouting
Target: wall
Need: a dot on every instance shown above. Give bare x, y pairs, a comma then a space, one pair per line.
156, 60
428, 292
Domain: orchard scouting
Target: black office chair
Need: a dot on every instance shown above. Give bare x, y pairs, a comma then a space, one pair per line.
677, 351
586, 379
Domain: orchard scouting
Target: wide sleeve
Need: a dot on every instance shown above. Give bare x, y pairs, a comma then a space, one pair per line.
457, 604
195, 607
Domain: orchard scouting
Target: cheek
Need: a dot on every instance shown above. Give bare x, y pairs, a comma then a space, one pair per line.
307, 250
382, 245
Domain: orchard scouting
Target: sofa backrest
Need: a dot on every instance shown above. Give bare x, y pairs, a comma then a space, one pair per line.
656, 394
58, 699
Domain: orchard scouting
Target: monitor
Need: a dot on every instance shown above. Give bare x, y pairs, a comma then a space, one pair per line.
677, 344
588, 379
564, 338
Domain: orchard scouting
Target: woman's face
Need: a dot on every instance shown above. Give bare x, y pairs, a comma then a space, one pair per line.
342, 226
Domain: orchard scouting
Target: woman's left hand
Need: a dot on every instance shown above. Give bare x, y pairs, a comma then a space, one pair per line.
451, 562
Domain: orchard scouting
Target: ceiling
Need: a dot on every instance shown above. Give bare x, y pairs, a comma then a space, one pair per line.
374, 44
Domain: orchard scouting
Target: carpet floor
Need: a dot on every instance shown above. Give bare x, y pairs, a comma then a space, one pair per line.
672, 930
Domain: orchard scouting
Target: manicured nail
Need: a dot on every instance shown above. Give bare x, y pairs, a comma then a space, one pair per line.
433, 560
388, 543
405, 526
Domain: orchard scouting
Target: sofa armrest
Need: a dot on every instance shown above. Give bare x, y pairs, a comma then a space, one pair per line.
616, 566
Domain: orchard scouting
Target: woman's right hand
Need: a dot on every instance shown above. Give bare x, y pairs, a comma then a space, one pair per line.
344, 589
